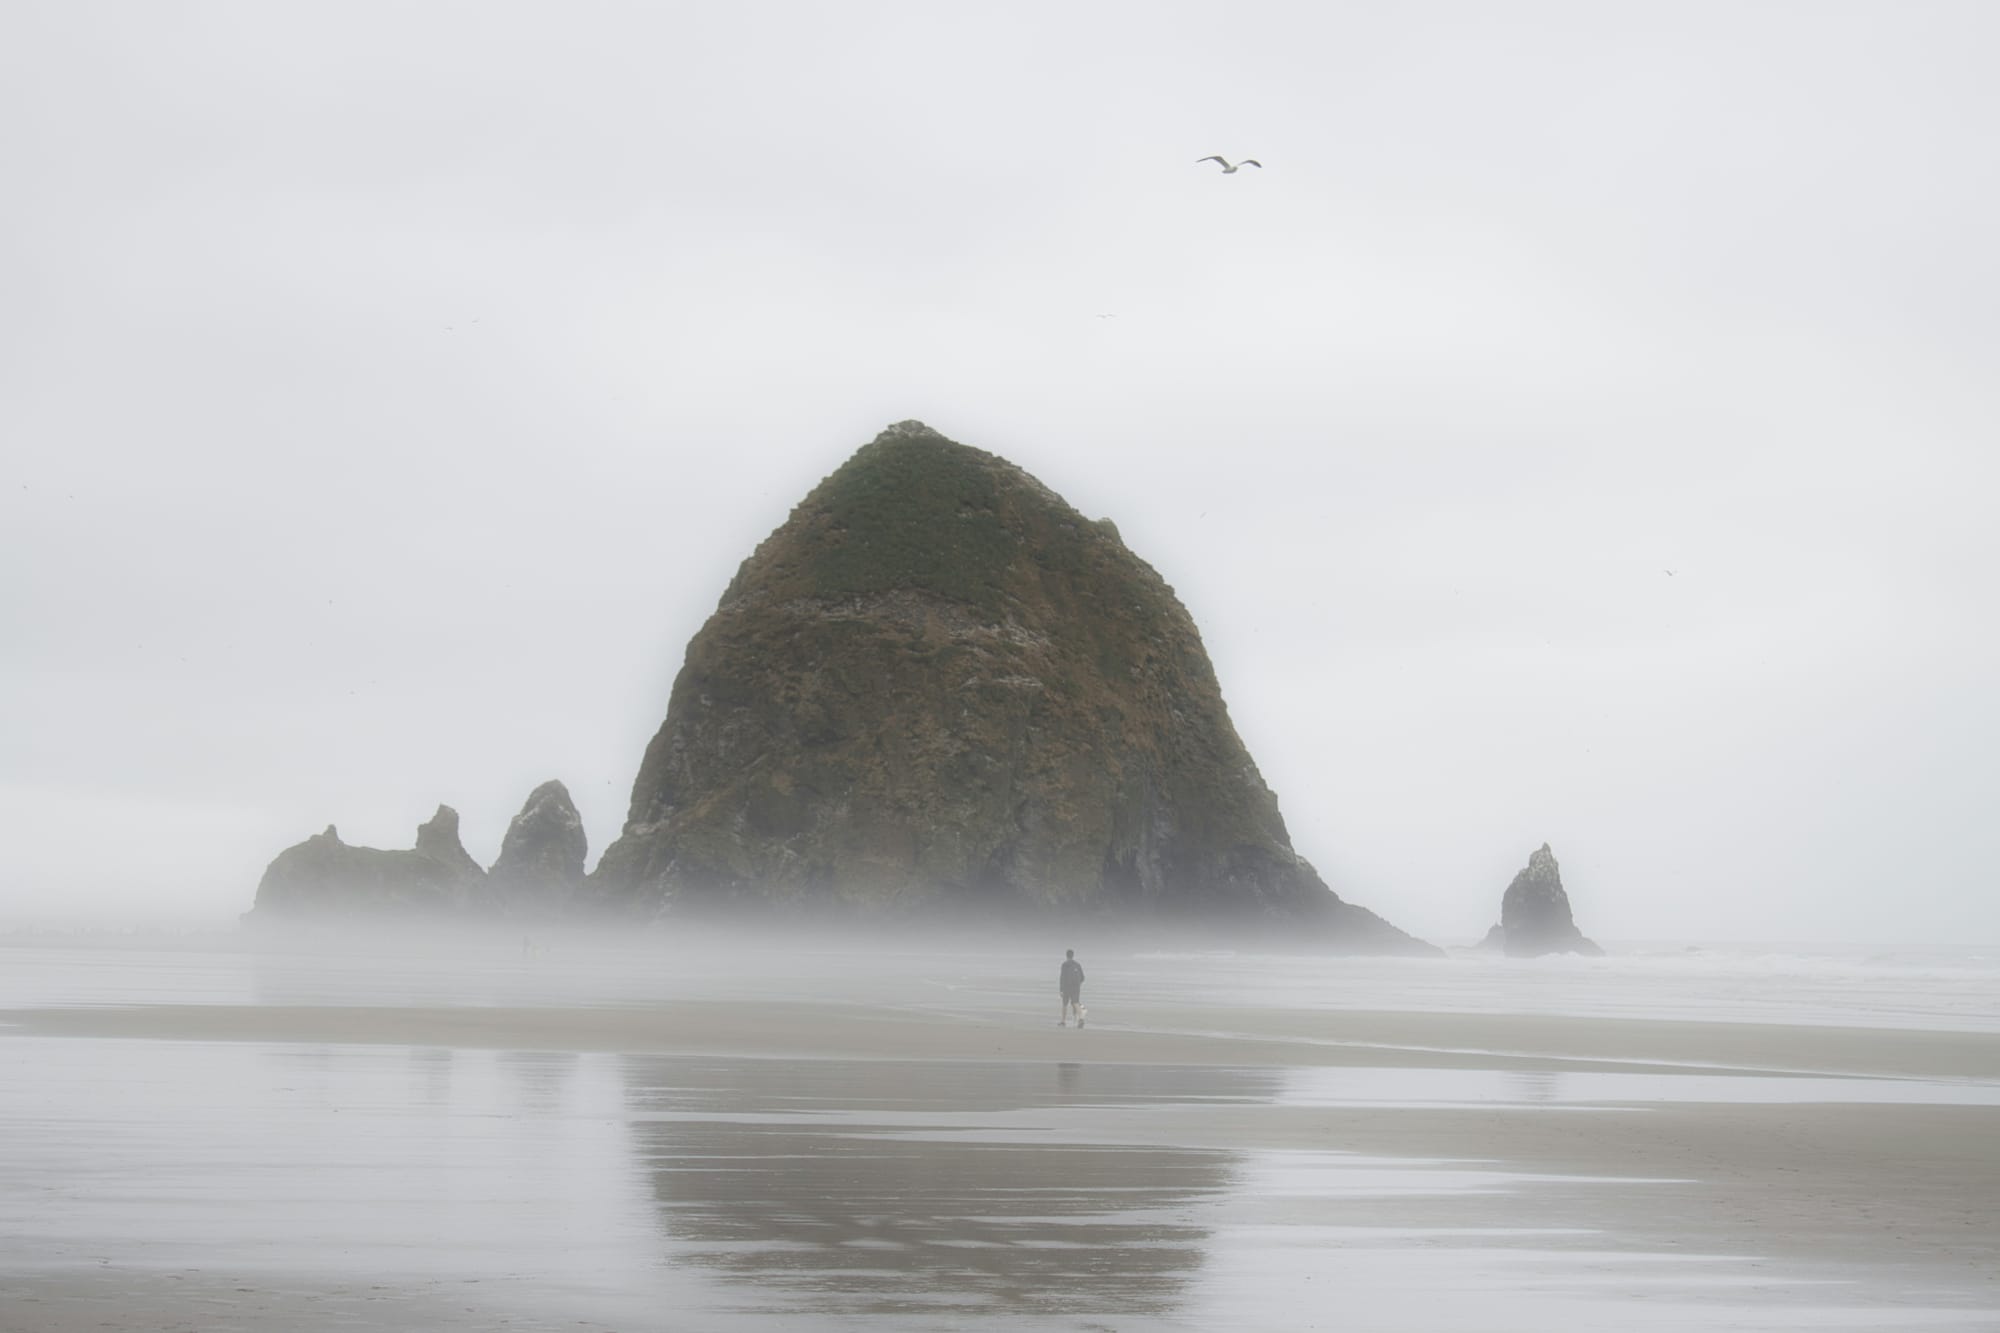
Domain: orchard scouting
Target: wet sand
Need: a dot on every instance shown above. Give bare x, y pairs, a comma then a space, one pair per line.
1153, 1035
967, 1162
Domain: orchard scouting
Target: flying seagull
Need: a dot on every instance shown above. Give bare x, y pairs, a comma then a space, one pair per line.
1227, 169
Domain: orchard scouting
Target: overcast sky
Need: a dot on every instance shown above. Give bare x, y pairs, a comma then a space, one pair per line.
1584, 429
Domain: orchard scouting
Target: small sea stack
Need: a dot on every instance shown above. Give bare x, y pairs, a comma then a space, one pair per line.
1535, 914
541, 856
324, 877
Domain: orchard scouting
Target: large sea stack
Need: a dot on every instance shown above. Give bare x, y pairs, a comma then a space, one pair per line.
937, 687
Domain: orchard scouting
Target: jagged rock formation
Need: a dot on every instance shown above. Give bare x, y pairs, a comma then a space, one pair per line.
541, 858
325, 877
937, 685
1534, 914
437, 838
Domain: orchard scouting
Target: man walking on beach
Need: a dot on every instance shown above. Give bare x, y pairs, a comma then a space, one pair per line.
1070, 983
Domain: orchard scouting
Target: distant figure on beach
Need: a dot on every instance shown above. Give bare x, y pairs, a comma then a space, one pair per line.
1070, 983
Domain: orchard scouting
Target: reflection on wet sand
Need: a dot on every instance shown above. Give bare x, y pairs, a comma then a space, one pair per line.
902, 1188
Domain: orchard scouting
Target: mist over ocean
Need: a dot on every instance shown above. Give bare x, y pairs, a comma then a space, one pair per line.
1942, 988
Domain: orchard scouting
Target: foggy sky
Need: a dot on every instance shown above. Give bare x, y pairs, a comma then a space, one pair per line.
389, 391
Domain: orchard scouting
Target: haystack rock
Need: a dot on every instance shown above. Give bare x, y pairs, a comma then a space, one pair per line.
937, 687
323, 876
541, 858
1535, 916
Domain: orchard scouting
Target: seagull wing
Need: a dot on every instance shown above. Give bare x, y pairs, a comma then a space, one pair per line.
1198, 161
1250, 162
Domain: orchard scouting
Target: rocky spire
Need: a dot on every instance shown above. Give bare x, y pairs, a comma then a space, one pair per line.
541, 858
1535, 914
438, 839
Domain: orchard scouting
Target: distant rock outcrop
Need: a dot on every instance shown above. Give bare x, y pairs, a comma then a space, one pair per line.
437, 838
541, 858
1535, 916
937, 686
325, 877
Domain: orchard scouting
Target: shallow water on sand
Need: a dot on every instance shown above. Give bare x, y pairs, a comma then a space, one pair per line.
566, 1189
155, 1184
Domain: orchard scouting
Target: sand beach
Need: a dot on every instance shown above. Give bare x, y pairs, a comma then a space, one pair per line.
565, 1143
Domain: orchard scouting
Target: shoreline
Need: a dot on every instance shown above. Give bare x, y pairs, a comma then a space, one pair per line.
1155, 1034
